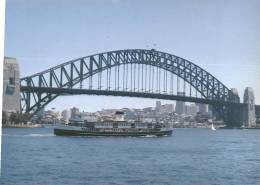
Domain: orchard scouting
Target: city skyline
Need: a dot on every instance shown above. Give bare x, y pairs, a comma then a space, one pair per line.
154, 106
197, 31
164, 113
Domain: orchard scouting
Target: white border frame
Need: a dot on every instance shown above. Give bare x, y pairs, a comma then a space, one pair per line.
2, 37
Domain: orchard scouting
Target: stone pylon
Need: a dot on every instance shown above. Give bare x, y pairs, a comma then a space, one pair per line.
235, 95
11, 86
234, 113
249, 111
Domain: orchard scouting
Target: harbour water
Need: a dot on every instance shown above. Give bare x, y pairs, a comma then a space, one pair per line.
190, 156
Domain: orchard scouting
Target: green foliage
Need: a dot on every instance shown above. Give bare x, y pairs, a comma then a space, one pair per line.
4, 118
25, 118
13, 118
16, 118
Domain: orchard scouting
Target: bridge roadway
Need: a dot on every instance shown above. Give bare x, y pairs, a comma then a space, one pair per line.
69, 91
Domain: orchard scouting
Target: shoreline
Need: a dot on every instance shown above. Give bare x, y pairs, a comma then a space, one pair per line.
240, 128
22, 126
174, 127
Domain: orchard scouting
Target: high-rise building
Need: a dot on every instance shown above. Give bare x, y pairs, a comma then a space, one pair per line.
158, 105
65, 114
191, 109
40, 114
167, 108
11, 85
203, 108
74, 113
180, 105
210, 110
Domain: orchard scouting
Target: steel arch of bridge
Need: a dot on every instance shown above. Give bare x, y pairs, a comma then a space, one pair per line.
41, 88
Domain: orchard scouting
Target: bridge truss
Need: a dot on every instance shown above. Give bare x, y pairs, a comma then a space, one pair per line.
131, 72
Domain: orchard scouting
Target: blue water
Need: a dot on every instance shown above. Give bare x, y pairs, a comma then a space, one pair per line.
189, 156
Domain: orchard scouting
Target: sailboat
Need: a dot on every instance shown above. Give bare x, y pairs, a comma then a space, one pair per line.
212, 127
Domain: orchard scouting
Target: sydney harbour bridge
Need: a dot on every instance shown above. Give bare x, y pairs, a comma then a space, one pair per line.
135, 73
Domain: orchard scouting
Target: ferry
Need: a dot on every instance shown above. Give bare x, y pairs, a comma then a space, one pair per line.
117, 127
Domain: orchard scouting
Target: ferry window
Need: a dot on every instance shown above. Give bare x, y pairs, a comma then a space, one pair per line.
115, 125
11, 81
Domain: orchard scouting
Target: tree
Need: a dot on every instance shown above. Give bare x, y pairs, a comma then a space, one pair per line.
25, 117
12, 118
17, 117
4, 118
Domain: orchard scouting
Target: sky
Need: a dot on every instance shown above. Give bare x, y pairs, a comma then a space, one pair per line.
220, 36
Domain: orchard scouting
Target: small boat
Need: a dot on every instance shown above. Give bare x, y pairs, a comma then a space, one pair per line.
212, 127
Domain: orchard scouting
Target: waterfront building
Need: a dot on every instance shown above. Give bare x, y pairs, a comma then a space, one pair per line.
51, 117
89, 117
130, 115
148, 109
150, 120
11, 85
38, 117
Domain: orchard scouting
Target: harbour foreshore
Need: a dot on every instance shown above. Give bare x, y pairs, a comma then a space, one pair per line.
22, 126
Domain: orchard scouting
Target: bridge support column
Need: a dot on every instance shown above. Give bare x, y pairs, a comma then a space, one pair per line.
217, 112
249, 109
234, 116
